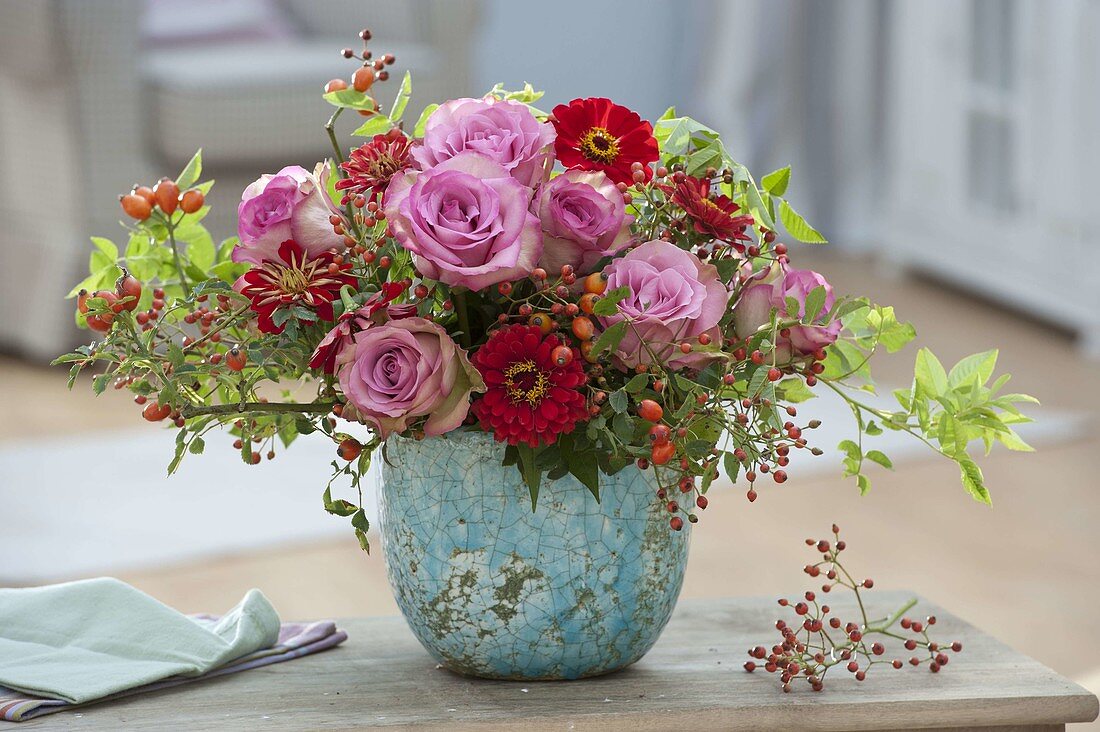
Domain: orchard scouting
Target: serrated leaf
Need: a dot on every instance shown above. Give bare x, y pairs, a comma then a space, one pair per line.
608, 304
197, 446
797, 226
610, 339
815, 302
636, 383
618, 401
795, 390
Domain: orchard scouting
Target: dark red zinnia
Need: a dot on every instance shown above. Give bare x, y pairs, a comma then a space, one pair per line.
293, 280
370, 166
714, 216
597, 134
530, 398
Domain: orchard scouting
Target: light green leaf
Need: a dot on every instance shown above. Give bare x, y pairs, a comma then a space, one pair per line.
880, 458
931, 377
797, 226
776, 182
402, 99
980, 364
191, 172
973, 480
815, 301
794, 390
350, 99
377, 124
422, 122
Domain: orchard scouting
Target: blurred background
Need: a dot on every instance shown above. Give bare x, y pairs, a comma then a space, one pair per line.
945, 147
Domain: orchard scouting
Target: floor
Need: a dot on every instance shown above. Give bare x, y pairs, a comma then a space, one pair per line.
1026, 570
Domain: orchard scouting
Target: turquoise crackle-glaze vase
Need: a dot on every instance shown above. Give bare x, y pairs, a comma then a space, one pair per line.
493, 589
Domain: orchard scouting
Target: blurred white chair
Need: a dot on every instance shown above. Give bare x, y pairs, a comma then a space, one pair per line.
97, 96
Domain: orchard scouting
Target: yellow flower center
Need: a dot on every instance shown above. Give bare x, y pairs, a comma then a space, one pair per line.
599, 145
293, 281
524, 382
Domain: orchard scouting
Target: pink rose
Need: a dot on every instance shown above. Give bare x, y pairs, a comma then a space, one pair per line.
292, 204
583, 218
405, 369
673, 297
769, 291
505, 132
466, 220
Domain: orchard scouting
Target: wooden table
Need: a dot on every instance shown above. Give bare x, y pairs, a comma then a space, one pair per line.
692, 680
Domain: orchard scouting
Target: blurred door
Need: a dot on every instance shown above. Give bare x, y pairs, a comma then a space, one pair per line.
990, 134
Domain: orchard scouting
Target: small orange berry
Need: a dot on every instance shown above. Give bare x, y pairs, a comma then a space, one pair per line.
650, 410
362, 78
349, 449
192, 200
167, 194
662, 453
136, 207
588, 302
542, 321
583, 328
334, 85
596, 283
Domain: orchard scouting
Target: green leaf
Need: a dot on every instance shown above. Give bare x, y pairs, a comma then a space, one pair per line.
880, 458
618, 401
610, 339
794, 390
97, 280
797, 226
636, 383
197, 446
815, 301
350, 99
931, 378
201, 251
608, 304
980, 364
107, 247
191, 172
776, 182
973, 480
376, 125
422, 122
402, 99
339, 507
532, 476
864, 484
585, 467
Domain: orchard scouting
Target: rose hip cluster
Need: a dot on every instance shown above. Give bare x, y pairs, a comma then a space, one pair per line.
819, 639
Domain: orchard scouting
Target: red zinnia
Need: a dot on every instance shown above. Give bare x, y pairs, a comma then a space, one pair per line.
597, 134
293, 280
370, 166
530, 398
715, 216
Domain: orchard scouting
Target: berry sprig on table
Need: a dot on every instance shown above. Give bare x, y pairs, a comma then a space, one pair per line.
819, 639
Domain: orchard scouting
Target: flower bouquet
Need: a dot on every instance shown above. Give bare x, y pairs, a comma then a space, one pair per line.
556, 327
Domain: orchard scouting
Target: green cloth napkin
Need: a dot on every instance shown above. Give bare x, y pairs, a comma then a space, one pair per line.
83, 640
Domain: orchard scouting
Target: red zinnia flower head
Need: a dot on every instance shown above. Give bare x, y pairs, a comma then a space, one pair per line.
292, 280
597, 134
324, 356
715, 216
530, 398
370, 166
